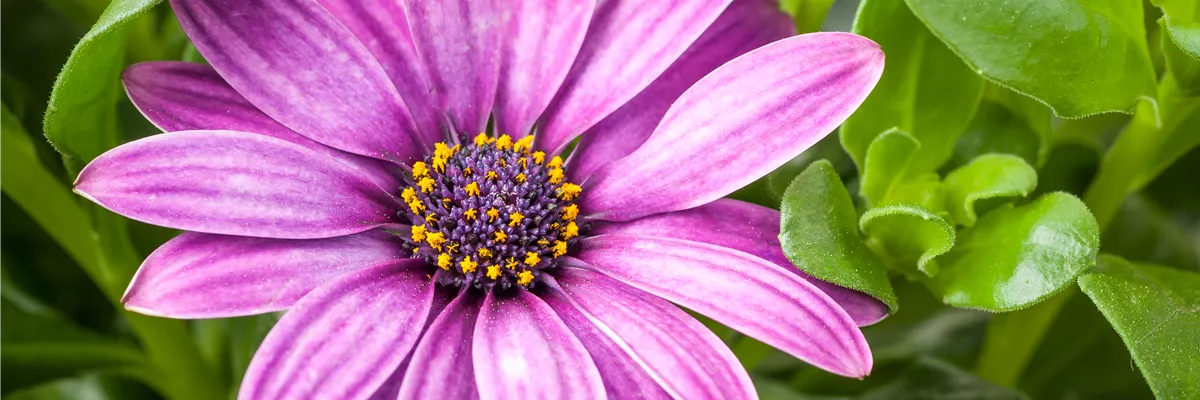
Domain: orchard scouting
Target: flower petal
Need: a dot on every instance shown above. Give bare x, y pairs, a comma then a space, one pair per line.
382, 27
234, 183
741, 121
748, 228
541, 39
629, 43
744, 292
442, 363
181, 96
390, 389
298, 64
200, 275
345, 338
683, 355
745, 25
523, 350
459, 42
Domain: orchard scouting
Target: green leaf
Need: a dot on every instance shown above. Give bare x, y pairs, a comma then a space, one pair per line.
925, 89
1080, 57
886, 164
988, 176
1006, 122
1156, 310
1015, 257
81, 118
1181, 49
907, 238
930, 378
1143, 232
808, 14
820, 235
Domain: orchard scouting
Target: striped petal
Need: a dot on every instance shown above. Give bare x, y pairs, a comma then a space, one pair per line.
199, 275
181, 96
345, 338
741, 121
234, 183
442, 364
459, 41
747, 228
629, 44
523, 350
298, 64
745, 25
744, 292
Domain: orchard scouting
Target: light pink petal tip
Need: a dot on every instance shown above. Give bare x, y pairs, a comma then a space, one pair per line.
748, 228
741, 121
345, 338
629, 43
199, 275
686, 359
459, 42
234, 183
745, 25
295, 62
744, 292
523, 350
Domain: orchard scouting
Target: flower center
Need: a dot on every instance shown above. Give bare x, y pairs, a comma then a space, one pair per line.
491, 213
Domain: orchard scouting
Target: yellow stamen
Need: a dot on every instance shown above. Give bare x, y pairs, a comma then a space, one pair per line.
570, 212
511, 263
416, 206
491, 175
543, 242
472, 189
443, 261
521, 177
523, 162
452, 247
570, 231
420, 170
524, 144
555, 162
471, 214
418, 233
484, 252
560, 248
539, 157
503, 142
532, 259
493, 272
482, 139
467, 171
426, 185
435, 240
492, 213
409, 195
501, 237
569, 191
446, 202
556, 175
431, 218
467, 265
525, 278
515, 218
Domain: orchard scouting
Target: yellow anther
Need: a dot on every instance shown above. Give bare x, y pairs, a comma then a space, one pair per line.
446, 202
532, 259
556, 175
409, 195
569, 191
511, 263
471, 214
467, 265
444, 261
543, 242
525, 278
420, 170
501, 237
525, 144
472, 189
418, 233
523, 162
493, 272
560, 248
521, 177
484, 252
431, 218
555, 162
555, 225
467, 171
539, 157
503, 142
492, 213
452, 247
570, 231
416, 206
482, 139
435, 240
491, 175
570, 212
515, 218
503, 162
426, 185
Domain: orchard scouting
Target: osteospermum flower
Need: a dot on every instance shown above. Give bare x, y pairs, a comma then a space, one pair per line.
336, 161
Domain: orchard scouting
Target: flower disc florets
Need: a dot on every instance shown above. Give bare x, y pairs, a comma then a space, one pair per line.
490, 214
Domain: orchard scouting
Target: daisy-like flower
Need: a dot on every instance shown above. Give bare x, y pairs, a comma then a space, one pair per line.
336, 161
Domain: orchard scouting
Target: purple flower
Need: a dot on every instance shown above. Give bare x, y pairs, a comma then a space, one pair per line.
330, 163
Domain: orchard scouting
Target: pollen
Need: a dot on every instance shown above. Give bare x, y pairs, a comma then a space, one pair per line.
515, 218
491, 175
511, 263
524, 145
482, 139
484, 252
420, 170
493, 272
471, 214
556, 162
501, 237
569, 191
426, 185
467, 265
492, 213
503, 142
444, 261
524, 278
532, 259
418, 233
570, 212
435, 240
556, 176
472, 189
539, 157
570, 231
520, 178
559, 249
408, 194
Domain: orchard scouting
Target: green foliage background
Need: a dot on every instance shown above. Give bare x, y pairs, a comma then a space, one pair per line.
1021, 190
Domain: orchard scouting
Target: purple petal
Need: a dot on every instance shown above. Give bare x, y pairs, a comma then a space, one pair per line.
684, 356
345, 338
234, 183
741, 121
298, 64
200, 275
744, 292
180, 96
442, 365
541, 39
390, 389
623, 377
459, 43
629, 43
523, 350
382, 27
748, 228
745, 25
